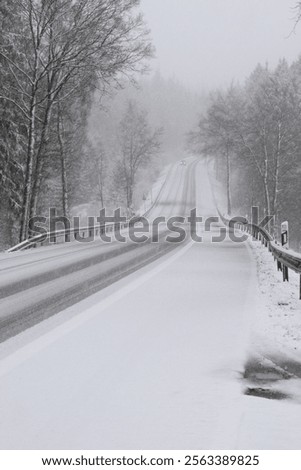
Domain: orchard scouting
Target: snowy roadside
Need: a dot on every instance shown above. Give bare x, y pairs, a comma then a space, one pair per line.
271, 378
277, 323
217, 189
154, 192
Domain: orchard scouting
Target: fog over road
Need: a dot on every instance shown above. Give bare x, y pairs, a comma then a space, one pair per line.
153, 361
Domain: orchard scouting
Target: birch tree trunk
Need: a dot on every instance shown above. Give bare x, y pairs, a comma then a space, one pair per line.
39, 161
229, 208
27, 193
65, 198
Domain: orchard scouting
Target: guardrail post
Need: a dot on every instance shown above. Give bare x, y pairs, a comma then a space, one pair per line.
254, 220
285, 273
279, 266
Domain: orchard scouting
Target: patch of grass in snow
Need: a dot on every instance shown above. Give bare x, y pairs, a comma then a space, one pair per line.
266, 393
266, 379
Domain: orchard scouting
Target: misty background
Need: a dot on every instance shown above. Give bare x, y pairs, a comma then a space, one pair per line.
208, 43
81, 153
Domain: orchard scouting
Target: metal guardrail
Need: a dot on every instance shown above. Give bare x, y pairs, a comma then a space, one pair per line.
73, 234
286, 259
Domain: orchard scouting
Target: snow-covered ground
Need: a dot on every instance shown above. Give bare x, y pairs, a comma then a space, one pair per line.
154, 192
279, 323
161, 359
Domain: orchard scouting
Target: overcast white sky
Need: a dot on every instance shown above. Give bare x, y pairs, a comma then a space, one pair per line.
207, 43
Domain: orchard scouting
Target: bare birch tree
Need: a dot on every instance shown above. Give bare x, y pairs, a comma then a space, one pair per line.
138, 144
65, 41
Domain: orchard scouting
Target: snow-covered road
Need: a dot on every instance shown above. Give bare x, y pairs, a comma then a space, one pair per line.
41, 282
154, 361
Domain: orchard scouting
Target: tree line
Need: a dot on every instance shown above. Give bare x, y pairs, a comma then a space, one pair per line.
155, 107
54, 54
252, 132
